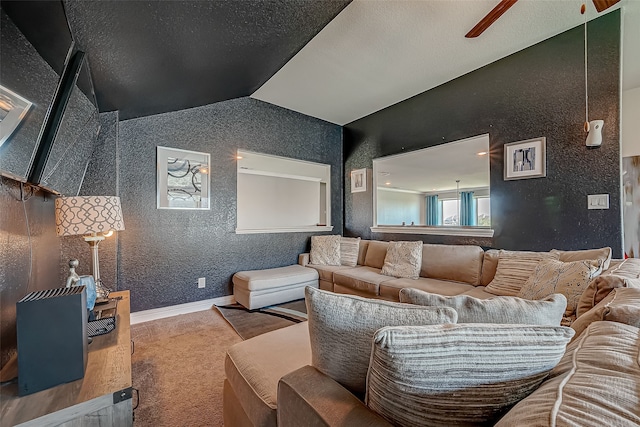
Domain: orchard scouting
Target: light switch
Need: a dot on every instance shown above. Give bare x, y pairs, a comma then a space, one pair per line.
598, 201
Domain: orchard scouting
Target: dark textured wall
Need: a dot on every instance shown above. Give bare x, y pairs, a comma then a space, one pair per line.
162, 253
29, 254
23, 71
536, 92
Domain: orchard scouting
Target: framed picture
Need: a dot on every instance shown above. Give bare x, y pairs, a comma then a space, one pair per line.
13, 108
183, 179
358, 180
525, 159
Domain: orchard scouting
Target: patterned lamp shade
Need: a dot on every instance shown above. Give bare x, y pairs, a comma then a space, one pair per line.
88, 214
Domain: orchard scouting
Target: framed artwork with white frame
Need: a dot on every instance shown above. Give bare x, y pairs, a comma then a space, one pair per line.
525, 159
183, 179
13, 108
358, 180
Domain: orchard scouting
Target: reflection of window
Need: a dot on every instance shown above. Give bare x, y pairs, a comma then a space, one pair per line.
484, 211
448, 214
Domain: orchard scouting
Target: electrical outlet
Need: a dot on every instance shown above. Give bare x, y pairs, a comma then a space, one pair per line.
598, 201
202, 282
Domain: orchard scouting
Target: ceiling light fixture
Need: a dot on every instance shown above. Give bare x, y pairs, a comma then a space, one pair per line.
482, 153
594, 127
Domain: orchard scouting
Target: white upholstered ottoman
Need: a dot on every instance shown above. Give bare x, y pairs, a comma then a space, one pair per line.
260, 288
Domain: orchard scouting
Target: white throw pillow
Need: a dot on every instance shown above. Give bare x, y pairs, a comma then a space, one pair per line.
325, 250
349, 249
514, 268
341, 328
548, 311
403, 259
455, 375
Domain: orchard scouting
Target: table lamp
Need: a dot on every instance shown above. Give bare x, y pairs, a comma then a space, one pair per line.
94, 217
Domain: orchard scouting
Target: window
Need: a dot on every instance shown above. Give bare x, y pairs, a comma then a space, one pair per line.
448, 214
278, 194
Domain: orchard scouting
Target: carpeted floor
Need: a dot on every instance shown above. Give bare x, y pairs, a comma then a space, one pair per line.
249, 324
178, 366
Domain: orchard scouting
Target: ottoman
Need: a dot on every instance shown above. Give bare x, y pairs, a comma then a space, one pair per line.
260, 288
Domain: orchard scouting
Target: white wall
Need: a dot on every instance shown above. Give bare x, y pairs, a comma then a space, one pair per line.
630, 123
394, 207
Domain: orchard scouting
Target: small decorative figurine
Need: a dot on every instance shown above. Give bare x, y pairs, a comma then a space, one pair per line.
73, 276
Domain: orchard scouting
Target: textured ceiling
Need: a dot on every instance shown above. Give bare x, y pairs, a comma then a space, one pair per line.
377, 53
149, 57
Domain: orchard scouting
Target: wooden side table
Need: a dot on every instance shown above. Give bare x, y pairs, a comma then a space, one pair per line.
102, 397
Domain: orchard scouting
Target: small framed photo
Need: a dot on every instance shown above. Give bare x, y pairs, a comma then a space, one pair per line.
358, 180
183, 179
525, 159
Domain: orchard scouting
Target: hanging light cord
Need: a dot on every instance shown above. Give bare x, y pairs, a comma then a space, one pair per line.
586, 87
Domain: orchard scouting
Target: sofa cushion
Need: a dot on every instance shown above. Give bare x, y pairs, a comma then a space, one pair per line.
597, 383
391, 289
349, 249
556, 277
361, 278
403, 259
325, 272
362, 251
325, 250
599, 288
464, 374
603, 255
512, 310
514, 268
621, 305
254, 367
489, 266
376, 252
628, 268
460, 263
341, 328
478, 292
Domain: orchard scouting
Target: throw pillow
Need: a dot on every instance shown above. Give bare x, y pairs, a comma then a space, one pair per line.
403, 259
349, 248
325, 250
595, 383
599, 288
454, 375
511, 310
622, 305
514, 268
341, 328
556, 277
602, 254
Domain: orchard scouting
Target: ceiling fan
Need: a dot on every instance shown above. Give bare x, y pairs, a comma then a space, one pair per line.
504, 5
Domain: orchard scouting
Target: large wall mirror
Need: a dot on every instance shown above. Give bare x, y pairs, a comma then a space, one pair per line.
442, 189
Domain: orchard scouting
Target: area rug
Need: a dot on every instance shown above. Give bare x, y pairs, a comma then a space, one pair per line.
250, 323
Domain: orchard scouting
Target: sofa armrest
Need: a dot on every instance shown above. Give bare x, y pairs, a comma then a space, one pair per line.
303, 259
307, 397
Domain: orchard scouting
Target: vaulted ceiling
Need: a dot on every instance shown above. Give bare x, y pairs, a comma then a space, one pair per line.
337, 60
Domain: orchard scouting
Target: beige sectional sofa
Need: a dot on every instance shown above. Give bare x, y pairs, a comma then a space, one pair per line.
269, 380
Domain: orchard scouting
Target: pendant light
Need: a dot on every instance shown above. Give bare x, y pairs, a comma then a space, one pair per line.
594, 127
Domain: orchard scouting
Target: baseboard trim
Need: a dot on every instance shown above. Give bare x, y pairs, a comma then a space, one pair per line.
175, 310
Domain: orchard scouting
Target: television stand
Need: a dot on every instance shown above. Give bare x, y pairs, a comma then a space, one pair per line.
102, 397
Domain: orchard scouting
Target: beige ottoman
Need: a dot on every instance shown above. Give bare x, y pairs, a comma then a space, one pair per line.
260, 288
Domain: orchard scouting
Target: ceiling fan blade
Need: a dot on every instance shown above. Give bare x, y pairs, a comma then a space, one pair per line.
604, 4
496, 13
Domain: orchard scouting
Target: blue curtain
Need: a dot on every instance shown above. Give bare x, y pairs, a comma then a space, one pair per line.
468, 214
432, 210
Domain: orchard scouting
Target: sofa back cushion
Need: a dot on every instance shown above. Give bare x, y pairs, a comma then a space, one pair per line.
599, 288
547, 311
489, 266
621, 305
362, 251
376, 252
454, 375
460, 263
341, 328
602, 254
595, 384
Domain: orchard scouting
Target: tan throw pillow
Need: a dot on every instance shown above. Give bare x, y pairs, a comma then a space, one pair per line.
621, 305
341, 328
603, 255
349, 248
514, 268
595, 383
599, 288
454, 375
556, 277
509, 310
325, 250
403, 259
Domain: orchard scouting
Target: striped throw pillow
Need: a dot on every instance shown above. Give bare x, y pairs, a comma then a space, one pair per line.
514, 268
464, 374
349, 248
